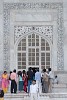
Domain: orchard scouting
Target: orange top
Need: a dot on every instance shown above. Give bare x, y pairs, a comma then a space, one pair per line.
5, 76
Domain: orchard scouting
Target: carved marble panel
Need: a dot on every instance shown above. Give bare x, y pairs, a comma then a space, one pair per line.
7, 7
46, 30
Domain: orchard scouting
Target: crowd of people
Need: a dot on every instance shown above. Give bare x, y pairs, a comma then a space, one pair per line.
30, 81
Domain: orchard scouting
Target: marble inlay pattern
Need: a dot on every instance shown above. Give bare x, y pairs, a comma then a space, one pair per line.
7, 7
44, 30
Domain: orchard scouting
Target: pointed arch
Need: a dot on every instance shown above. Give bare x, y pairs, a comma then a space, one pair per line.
23, 58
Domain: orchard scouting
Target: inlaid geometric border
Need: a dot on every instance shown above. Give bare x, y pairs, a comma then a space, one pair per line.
7, 7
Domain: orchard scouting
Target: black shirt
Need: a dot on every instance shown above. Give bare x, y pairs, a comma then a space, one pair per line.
30, 75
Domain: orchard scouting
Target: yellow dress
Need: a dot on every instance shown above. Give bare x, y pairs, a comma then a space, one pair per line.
5, 82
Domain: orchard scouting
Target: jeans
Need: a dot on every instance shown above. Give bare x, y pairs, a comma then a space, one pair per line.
29, 83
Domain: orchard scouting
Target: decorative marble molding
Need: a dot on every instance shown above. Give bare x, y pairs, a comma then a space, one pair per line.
7, 7
46, 30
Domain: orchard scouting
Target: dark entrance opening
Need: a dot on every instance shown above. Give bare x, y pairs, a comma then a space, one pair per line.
34, 70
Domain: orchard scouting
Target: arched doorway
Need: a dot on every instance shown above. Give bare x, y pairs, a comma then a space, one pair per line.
33, 51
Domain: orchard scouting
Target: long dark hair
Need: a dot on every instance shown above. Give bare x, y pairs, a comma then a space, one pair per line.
20, 73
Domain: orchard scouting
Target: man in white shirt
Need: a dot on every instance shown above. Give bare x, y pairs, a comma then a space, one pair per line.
33, 90
38, 79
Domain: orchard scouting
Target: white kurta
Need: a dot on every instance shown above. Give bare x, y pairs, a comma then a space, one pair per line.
33, 91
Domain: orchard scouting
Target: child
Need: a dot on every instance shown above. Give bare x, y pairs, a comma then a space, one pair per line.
33, 90
56, 80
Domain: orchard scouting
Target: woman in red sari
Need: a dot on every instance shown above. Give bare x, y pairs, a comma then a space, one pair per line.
25, 81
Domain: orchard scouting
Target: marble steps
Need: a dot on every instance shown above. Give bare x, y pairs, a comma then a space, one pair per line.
59, 92
59, 88
42, 96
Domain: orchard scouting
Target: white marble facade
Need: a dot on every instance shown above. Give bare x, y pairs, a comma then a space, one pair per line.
29, 14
